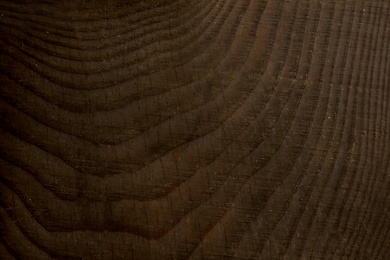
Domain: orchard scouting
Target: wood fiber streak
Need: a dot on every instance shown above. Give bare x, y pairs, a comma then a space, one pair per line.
218, 129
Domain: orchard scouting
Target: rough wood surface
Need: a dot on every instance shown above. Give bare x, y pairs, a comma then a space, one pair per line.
205, 129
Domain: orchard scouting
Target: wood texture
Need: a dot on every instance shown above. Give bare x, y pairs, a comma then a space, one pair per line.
205, 129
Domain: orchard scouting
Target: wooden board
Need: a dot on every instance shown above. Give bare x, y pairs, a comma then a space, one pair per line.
209, 129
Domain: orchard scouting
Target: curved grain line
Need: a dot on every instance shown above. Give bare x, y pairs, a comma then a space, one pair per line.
62, 95
251, 142
15, 242
114, 29
65, 54
305, 200
373, 179
90, 23
350, 120
385, 163
334, 79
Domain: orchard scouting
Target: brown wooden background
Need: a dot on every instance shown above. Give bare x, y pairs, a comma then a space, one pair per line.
207, 129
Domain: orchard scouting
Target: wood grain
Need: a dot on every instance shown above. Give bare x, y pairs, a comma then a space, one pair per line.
214, 129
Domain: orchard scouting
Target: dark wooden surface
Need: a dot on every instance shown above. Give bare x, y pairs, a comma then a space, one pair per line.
205, 129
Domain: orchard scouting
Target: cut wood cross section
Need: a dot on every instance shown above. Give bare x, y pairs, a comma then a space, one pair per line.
207, 129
